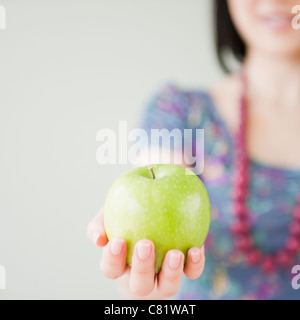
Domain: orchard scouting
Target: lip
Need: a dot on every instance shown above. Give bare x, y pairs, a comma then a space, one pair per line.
277, 21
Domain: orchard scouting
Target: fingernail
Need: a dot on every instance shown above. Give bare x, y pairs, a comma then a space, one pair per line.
143, 250
96, 236
174, 260
116, 246
195, 256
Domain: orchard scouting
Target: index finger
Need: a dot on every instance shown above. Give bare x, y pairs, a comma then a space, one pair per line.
96, 231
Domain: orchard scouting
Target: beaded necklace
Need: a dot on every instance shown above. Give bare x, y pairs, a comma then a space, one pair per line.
241, 229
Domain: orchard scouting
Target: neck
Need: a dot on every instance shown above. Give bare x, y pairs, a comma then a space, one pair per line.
275, 77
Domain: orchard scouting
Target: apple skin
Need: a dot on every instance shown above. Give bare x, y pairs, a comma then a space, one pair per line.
172, 209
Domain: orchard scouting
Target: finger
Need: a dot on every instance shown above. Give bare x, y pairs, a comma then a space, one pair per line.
142, 275
195, 263
113, 262
171, 273
96, 231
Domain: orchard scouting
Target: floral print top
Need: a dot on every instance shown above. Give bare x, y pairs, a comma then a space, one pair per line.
272, 199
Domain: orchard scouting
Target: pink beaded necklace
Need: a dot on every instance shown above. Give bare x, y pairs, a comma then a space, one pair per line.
241, 229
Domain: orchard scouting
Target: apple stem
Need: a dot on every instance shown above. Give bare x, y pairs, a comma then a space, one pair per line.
152, 172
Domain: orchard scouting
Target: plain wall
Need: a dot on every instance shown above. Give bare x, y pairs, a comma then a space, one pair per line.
69, 68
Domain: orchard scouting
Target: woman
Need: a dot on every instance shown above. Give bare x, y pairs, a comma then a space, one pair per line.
252, 167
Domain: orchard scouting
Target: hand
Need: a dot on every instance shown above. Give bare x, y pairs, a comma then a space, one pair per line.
142, 276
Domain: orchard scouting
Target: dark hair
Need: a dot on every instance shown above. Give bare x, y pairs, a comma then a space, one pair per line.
227, 37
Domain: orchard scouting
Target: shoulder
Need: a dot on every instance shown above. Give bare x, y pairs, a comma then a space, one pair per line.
172, 92
189, 104
173, 105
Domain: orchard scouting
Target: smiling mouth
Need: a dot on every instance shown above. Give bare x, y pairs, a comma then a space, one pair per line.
277, 21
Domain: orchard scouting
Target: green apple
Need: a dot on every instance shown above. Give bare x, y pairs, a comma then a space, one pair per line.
167, 204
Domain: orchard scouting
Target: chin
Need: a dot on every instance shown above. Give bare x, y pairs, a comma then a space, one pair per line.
283, 46
284, 52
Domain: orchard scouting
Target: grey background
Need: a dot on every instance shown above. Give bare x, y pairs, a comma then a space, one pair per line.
67, 69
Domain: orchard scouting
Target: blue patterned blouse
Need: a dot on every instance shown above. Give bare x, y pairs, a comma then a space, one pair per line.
273, 194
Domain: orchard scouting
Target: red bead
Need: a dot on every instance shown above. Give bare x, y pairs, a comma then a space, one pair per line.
241, 155
253, 257
240, 209
240, 194
241, 168
297, 214
240, 144
293, 245
241, 135
284, 259
295, 229
241, 180
268, 265
244, 243
243, 120
239, 228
